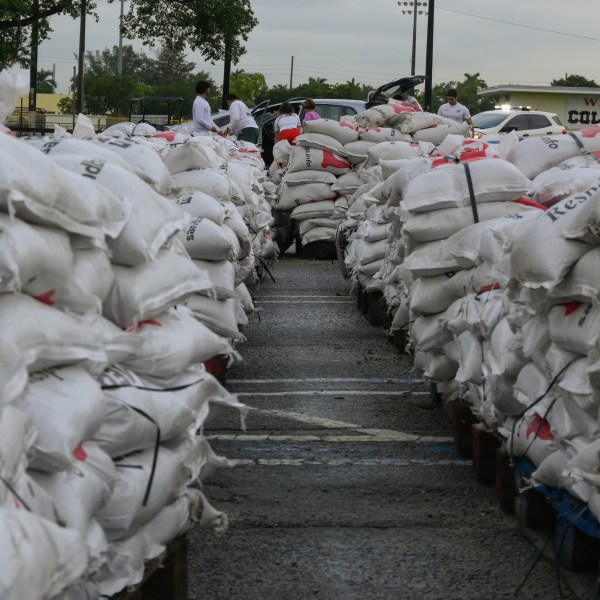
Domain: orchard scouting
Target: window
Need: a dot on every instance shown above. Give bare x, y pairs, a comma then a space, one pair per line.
329, 111
538, 122
518, 123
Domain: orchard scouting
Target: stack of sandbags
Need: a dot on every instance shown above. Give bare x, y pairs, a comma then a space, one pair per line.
102, 375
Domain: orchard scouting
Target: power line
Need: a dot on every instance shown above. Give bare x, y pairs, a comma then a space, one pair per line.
583, 37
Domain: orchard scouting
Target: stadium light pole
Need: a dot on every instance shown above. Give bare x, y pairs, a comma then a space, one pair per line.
414, 13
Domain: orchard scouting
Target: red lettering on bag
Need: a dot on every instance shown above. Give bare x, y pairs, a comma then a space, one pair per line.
342, 124
531, 203
80, 454
590, 132
46, 297
138, 327
398, 108
570, 307
540, 428
331, 160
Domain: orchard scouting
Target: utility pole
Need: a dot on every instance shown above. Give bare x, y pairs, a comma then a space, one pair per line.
429, 57
291, 72
34, 62
79, 101
226, 73
120, 58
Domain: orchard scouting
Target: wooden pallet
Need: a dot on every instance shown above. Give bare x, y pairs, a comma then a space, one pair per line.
165, 577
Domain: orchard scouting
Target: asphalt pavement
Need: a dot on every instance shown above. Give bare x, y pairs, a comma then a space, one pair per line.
346, 482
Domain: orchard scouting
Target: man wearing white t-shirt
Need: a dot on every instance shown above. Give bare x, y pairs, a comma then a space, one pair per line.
455, 111
241, 121
201, 120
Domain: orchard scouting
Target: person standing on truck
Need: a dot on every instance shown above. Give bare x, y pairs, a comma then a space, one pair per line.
241, 121
287, 124
201, 119
455, 111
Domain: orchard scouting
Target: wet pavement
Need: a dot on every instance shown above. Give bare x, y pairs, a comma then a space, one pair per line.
347, 484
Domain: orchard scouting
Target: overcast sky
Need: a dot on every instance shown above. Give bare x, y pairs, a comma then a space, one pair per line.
510, 41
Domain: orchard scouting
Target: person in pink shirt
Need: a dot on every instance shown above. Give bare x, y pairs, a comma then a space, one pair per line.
310, 114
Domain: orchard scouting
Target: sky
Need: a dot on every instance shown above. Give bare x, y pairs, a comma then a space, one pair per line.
506, 42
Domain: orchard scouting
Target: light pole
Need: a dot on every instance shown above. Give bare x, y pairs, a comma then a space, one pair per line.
414, 4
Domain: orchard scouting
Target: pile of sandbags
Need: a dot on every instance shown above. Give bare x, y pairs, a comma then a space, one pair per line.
104, 393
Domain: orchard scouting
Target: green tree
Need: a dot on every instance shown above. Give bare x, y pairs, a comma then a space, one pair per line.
45, 82
170, 65
248, 86
209, 26
109, 93
17, 17
106, 62
65, 105
574, 81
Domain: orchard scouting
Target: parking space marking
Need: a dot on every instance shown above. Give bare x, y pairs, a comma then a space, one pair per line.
333, 462
333, 393
330, 380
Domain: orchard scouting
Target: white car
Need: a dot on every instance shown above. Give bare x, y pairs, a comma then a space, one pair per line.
491, 125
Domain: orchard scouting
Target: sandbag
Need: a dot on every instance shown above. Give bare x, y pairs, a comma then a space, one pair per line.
302, 159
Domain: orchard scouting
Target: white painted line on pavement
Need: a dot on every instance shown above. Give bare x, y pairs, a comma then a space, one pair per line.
333, 393
390, 436
298, 296
341, 301
390, 380
367, 462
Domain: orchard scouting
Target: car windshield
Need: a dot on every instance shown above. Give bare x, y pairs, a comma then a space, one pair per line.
487, 120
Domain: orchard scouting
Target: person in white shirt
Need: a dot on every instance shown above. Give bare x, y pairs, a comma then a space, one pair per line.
287, 124
241, 122
455, 111
201, 119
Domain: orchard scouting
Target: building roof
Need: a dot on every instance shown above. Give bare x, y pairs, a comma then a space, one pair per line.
544, 89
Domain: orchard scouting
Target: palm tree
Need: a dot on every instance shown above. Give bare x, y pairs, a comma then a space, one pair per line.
45, 82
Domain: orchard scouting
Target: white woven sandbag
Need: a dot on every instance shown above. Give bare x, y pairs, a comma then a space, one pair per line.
582, 283
292, 196
575, 326
137, 497
143, 160
33, 258
470, 358
442, 224
46, 336
368, 252
218, 315
538, 154
320, 142
308, 176
242, 174
429, 296
238, 251
550, 473
436, 134
505, 353
213, 182
137, 411
172, 342
313, 210
66, 406
410, 122
435, 366
16, 441
205, 240
347, 183
236, 223
199, 204
584, 465
378, 115
80, 492
341, 131
13, 374
383, 134
191, 156
427, 334
318, 234
152, 218
531, 436
357, 152
544, 249
39, 558
88, 284
54, 196
446, 186
392, 151
144, 292
308, 224
302, 159
429, 259
222, 277
565, 179
246, 298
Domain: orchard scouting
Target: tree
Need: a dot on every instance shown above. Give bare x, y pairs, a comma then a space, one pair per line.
209, 26
106, 62
574, 81
17, 17
248, 86
169, 66
45, 82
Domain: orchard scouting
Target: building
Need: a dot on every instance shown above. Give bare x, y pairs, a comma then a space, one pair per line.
576, 107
